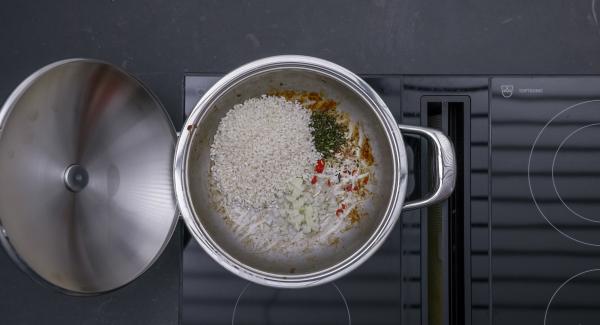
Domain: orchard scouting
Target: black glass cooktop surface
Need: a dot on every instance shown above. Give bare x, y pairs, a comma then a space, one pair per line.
545, 194
531, 238
372, 294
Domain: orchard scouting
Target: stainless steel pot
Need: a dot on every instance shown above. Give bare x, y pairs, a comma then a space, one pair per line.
86, 195
191, 167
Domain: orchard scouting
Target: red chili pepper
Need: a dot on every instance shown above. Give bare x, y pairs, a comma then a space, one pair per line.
338, 212
348, 188
355, 188
320, 167
313, 180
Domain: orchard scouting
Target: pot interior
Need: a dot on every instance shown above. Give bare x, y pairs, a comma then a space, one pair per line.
198, 164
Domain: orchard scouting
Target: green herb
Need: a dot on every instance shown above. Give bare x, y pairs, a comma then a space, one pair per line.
329, 135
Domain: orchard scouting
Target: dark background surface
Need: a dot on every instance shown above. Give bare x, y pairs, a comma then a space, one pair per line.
160, 41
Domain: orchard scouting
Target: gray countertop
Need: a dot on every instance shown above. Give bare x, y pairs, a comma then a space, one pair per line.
159, 41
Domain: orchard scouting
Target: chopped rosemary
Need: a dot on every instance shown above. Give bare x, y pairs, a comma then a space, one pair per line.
329, 135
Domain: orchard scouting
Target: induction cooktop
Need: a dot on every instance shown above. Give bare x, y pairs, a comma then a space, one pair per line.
517, 243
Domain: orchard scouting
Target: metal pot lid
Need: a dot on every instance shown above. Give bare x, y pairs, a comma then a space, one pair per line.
86, 194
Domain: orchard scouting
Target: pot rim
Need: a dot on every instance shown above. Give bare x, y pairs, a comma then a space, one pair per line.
398, 156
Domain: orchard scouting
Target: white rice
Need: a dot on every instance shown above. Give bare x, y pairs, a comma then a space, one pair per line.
258, 147
261, 146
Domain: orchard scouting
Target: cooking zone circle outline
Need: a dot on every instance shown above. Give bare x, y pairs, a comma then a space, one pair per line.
249, 284
561, 286
529, 172
553, 180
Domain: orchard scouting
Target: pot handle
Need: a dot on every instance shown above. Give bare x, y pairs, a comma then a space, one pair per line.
445, 165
